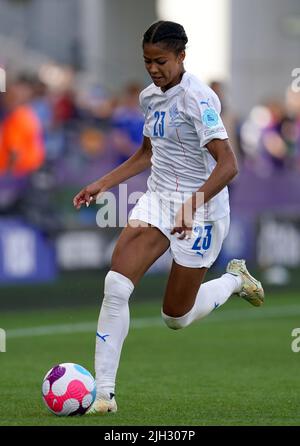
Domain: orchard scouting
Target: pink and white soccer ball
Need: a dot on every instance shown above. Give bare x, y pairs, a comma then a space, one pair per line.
68, 389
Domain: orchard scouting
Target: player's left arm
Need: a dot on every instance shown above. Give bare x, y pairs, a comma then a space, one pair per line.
224, 172
212, 135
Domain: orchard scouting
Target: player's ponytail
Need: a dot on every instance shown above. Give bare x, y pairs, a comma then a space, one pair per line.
170, 34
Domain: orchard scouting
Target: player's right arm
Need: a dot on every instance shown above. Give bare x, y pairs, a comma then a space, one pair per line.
137, 163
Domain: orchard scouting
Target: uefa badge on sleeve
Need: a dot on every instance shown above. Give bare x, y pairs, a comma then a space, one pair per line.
210, 117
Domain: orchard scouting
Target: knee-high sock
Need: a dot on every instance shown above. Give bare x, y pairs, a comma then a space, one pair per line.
211, 295
112, 329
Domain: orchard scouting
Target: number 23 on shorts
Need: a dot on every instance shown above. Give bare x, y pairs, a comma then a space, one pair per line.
203, 241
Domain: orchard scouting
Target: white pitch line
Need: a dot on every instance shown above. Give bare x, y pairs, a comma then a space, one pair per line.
81, 327
218, 316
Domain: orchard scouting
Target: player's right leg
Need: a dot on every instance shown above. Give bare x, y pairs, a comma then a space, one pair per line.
183, 303
136, 250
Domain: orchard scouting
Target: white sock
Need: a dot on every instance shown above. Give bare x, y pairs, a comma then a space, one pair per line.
112, 329
211, 295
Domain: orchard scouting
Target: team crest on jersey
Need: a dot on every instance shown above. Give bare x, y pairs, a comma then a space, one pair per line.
174, 114
210, 117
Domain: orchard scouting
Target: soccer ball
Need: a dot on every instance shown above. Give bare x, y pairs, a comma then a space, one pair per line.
68, 389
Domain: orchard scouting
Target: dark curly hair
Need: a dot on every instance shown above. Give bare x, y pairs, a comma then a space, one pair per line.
170, 34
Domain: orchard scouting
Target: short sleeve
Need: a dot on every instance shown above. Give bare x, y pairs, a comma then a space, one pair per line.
145, 109
205, 114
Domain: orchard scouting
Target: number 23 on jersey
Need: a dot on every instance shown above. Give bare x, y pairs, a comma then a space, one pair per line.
159, 124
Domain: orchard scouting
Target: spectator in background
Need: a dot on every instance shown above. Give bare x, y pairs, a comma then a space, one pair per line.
21, 145
273, 144
95, 104
269, 138
42, 106
64, 107
127, 123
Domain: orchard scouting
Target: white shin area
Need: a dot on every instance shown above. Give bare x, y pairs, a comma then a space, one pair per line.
211, 295
112, 329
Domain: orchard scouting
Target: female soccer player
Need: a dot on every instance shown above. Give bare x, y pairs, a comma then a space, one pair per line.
187, 147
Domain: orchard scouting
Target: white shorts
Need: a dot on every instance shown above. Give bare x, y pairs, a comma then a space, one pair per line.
204, 246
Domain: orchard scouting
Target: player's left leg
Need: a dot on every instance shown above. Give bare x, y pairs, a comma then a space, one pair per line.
187, 299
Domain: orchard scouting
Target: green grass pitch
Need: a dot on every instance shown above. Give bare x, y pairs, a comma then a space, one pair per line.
236, 367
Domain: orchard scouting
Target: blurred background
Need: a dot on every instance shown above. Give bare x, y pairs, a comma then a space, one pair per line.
70, 112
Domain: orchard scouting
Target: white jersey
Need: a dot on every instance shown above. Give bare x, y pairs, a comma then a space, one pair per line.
180, 122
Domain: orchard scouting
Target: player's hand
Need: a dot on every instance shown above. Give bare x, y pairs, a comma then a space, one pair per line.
89, 194
184, 221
